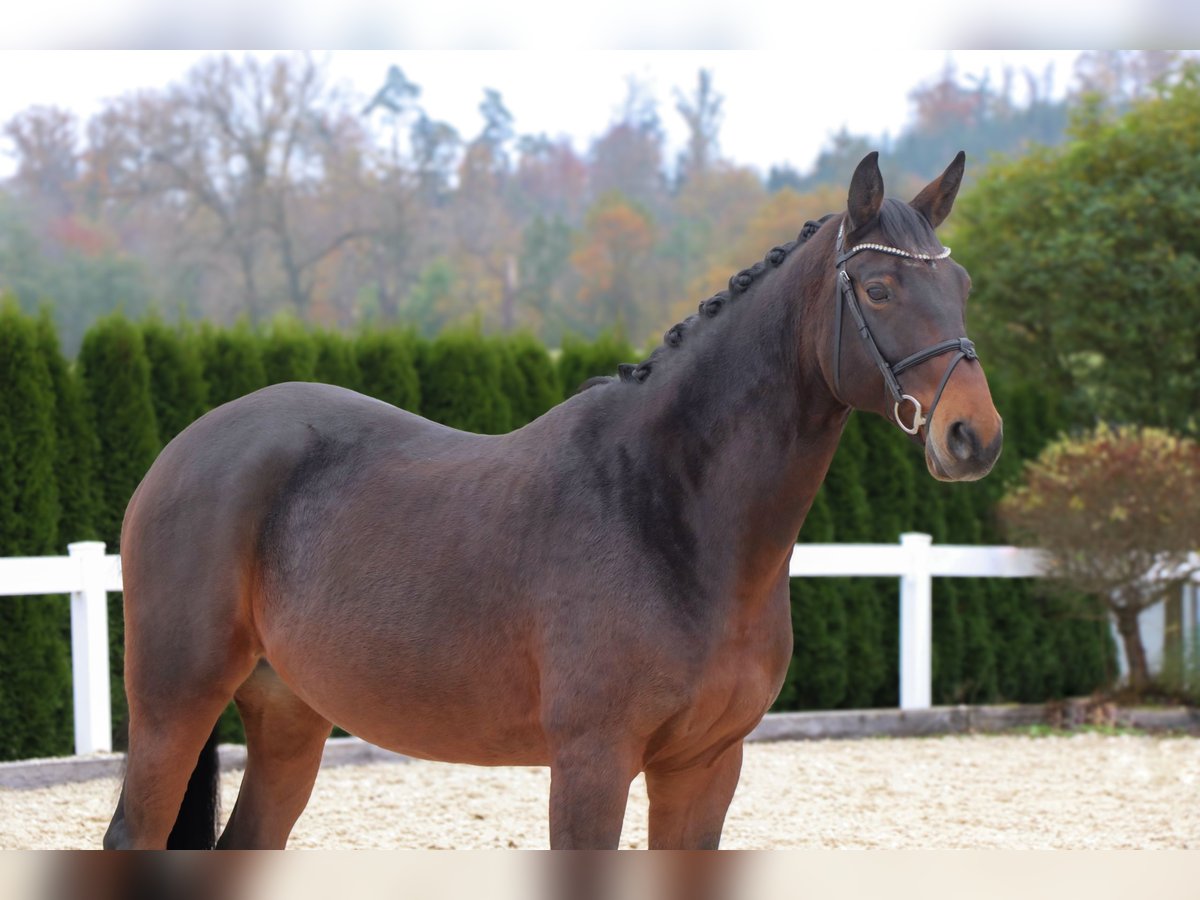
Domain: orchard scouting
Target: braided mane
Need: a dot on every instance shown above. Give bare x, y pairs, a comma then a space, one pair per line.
710, 308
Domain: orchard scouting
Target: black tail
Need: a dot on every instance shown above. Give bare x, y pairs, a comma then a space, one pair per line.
196, 825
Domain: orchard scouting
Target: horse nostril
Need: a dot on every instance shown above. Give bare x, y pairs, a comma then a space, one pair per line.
961, 441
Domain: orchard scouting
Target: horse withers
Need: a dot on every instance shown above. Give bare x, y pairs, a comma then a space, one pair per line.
604, 591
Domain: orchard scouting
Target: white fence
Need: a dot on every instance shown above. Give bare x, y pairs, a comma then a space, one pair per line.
915, 560
88, 575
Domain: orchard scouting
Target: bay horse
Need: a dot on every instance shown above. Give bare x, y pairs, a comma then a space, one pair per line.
604, 591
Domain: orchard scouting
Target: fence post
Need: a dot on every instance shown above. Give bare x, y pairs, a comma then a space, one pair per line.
89, 651
916, 624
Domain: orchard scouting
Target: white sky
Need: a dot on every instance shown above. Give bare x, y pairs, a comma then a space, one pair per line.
780, 106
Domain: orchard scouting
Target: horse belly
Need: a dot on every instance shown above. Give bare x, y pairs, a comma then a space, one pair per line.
465, 697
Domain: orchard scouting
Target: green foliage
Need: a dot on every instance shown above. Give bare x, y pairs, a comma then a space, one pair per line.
461, 385
116, 380
866, 665
289, 352
1083, 258
232, 361
387, 368
532, 383
34, 672
335, 362
29, 524
76, 447
428, 304
177, 386
580, 360
817, 673
816, 677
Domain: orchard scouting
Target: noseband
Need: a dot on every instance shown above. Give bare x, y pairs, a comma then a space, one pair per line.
961, 347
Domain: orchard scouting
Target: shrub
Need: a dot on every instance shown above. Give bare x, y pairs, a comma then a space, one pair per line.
1112, 506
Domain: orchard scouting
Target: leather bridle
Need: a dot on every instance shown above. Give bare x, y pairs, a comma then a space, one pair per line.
962, 348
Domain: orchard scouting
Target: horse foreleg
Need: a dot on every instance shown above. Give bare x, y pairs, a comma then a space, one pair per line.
687, 806
589, 789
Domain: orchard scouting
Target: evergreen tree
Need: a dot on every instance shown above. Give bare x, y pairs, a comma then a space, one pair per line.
386, 363
578, 360
968, 631
335, 360
116, 380
34, 669
948, 658
289, 353
512, 385
232, 363
817, 676
460, 376
1084, 645
891, 469
177, 386
76, 447
534, 381
866, 665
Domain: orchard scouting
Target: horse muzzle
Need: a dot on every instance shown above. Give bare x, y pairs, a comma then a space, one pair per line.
959, 452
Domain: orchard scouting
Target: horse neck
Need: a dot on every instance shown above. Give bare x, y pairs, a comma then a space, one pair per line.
740, 417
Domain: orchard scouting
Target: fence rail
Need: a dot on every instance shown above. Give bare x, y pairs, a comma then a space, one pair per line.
88, 575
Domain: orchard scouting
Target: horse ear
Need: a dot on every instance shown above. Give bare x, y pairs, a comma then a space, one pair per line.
936, 201
866, 192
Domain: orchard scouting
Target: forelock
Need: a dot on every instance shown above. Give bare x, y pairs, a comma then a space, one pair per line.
906, 229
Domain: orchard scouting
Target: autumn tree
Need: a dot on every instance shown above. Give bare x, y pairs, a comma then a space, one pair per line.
550, 180
1118, 78
45, 143
483, 221
628, 157
238, 160
1118, 511
612, 253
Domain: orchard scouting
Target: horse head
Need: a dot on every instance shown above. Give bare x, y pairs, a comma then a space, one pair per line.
897, 345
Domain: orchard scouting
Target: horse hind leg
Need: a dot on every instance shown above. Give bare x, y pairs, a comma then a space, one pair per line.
189, 644
285, 739
167, 795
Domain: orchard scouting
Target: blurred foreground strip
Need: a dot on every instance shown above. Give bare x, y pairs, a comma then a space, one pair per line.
542, 875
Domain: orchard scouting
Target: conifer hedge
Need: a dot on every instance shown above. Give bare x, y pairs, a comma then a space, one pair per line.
177, 387
75, 439
462, 382
288, 352
387, 367
115, 374
35, 714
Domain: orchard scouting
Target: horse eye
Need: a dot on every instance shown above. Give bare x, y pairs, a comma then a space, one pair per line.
877, 292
